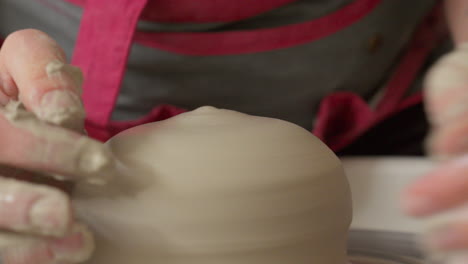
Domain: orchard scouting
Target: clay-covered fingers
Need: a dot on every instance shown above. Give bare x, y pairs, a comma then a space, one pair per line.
34, 145
33, 68
440, 190
75, 247
446, 96
450, 140
36, 226
436, 193
36, 223
33, 209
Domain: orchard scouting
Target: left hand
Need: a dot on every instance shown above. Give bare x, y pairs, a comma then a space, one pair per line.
37, 223
446, 91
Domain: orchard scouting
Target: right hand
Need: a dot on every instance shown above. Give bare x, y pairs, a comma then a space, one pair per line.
446, 187
36, 221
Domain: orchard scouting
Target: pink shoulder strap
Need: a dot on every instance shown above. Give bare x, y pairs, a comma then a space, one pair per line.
104, 41
208, 11
343, 116
203, 11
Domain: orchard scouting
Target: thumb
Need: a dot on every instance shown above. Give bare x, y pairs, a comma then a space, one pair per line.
446, 86
33, 68
446, 100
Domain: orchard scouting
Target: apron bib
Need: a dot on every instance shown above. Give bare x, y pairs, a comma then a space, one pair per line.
343, 117
202, 11
103, 56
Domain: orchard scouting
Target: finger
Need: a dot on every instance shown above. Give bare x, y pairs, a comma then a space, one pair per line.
446, 87
448, 108
30, 144
34, 209
451, 236
4, 99
33, 177
44, 82
449, 140
8, 89
76, 247
36, 253
440, 190
69, 154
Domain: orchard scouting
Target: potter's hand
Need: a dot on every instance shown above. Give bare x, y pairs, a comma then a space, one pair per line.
37, 218
446, 187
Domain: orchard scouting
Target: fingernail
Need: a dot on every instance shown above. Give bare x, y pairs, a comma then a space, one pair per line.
446, 257
454, 112
460, 147
76, 247
429, 143
444, 238
38, 253
51, 215
458, 258
418, 206
4, 99
437, 148
63, 108
60, 71
461, 161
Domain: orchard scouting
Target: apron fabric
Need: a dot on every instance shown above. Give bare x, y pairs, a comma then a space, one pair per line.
201, 11
342, 116
103, 57
102, 83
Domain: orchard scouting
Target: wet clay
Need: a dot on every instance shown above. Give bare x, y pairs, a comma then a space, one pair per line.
86, 158
69, 117
216, 186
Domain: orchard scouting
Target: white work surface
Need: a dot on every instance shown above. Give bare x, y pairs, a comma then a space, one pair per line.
380, 232
376, 185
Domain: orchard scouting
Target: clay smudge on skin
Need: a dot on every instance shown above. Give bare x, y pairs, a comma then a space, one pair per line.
89, 160
56, 68
63, 107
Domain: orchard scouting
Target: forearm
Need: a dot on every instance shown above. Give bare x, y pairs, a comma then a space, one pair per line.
457, 17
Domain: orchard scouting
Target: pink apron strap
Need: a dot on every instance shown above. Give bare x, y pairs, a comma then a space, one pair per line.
203, 11
343, 117
429, 35
260, 40
208, 11
102, 49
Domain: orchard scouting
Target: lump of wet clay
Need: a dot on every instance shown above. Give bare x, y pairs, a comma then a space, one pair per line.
216, 186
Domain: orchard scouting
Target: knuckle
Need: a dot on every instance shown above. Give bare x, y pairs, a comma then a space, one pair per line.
34, 209
28, 253
25, 37
25, 33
